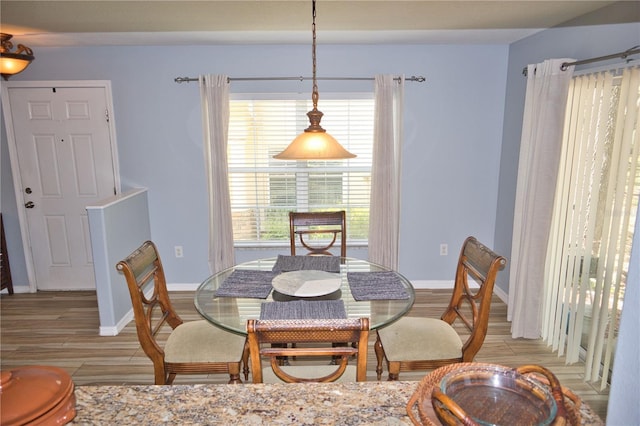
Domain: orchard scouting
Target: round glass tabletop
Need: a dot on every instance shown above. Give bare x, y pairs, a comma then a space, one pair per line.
232, 310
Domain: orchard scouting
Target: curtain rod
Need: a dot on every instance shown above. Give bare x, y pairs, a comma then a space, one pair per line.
419, 79
623, 55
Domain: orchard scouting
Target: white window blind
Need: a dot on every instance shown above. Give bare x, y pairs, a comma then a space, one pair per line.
264, 190
594, 214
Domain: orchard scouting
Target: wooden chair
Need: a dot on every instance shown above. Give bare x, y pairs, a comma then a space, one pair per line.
305, 225
427, 343
308, 335
194, 347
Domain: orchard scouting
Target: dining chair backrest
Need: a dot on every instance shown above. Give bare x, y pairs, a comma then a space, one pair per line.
194, 347
307, 226
313, 338
145, 275
477, 264
424, 343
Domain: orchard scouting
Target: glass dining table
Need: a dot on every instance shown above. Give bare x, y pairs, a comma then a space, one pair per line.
229, 298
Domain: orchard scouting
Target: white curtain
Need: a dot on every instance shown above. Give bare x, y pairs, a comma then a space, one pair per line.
214, 96
384, 220
545, 101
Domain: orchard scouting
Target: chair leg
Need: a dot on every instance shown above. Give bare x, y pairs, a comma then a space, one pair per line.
245, 361
393, 367
170, 378
160, 375
282, 360
234, 373
336, 358
377, 346
394, 370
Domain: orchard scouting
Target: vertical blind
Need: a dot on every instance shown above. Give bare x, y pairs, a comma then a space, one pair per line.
594, 212
263, 190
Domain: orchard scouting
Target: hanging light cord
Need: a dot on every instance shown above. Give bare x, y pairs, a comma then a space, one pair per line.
314, 115
314, 93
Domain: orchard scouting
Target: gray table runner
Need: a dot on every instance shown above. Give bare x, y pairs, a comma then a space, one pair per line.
247, 283
376, 285
297, 263
303, 309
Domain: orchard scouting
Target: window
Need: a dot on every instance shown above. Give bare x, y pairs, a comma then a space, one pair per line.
263, 190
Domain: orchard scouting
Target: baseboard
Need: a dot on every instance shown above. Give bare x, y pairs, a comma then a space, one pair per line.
17, 289
182, 286
432, 284
420, 284
501, 294
417, 284
116, 329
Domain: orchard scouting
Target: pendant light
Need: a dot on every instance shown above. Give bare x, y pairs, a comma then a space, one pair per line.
314, 143
13, 62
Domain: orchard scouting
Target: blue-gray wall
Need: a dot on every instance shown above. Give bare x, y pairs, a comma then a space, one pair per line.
462, 132
578, 42
453, 128
118, 226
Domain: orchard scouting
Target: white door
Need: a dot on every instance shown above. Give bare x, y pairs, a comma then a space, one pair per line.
63, 145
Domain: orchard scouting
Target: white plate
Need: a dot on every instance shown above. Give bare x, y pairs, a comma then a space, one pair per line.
307, 283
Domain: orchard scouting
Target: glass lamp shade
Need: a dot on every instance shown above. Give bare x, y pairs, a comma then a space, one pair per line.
11, 63
312, 145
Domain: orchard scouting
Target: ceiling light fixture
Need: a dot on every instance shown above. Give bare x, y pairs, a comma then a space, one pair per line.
13, 62
314, 143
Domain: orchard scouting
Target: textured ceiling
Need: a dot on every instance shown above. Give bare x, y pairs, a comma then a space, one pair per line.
148, 22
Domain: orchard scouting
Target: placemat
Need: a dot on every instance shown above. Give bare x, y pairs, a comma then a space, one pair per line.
297, 263
376, 285
247, 283
303, 309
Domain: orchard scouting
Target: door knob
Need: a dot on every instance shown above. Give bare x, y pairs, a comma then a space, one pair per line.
29, 205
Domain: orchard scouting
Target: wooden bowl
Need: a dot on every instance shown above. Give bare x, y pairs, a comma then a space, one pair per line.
420, 408
493, 395
37, 395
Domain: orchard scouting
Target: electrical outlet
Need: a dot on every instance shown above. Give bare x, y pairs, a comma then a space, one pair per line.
444, 249
178, 251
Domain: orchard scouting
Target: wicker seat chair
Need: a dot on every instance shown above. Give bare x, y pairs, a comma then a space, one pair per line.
427, 343
305, 225
267, 340
194, 347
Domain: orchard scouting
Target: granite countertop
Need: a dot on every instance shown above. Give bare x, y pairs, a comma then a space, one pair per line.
345, 404
366, 403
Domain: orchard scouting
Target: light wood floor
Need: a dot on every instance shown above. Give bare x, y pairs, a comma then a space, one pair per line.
61, 329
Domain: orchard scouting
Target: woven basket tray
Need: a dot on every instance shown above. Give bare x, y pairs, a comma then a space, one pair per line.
420, 401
